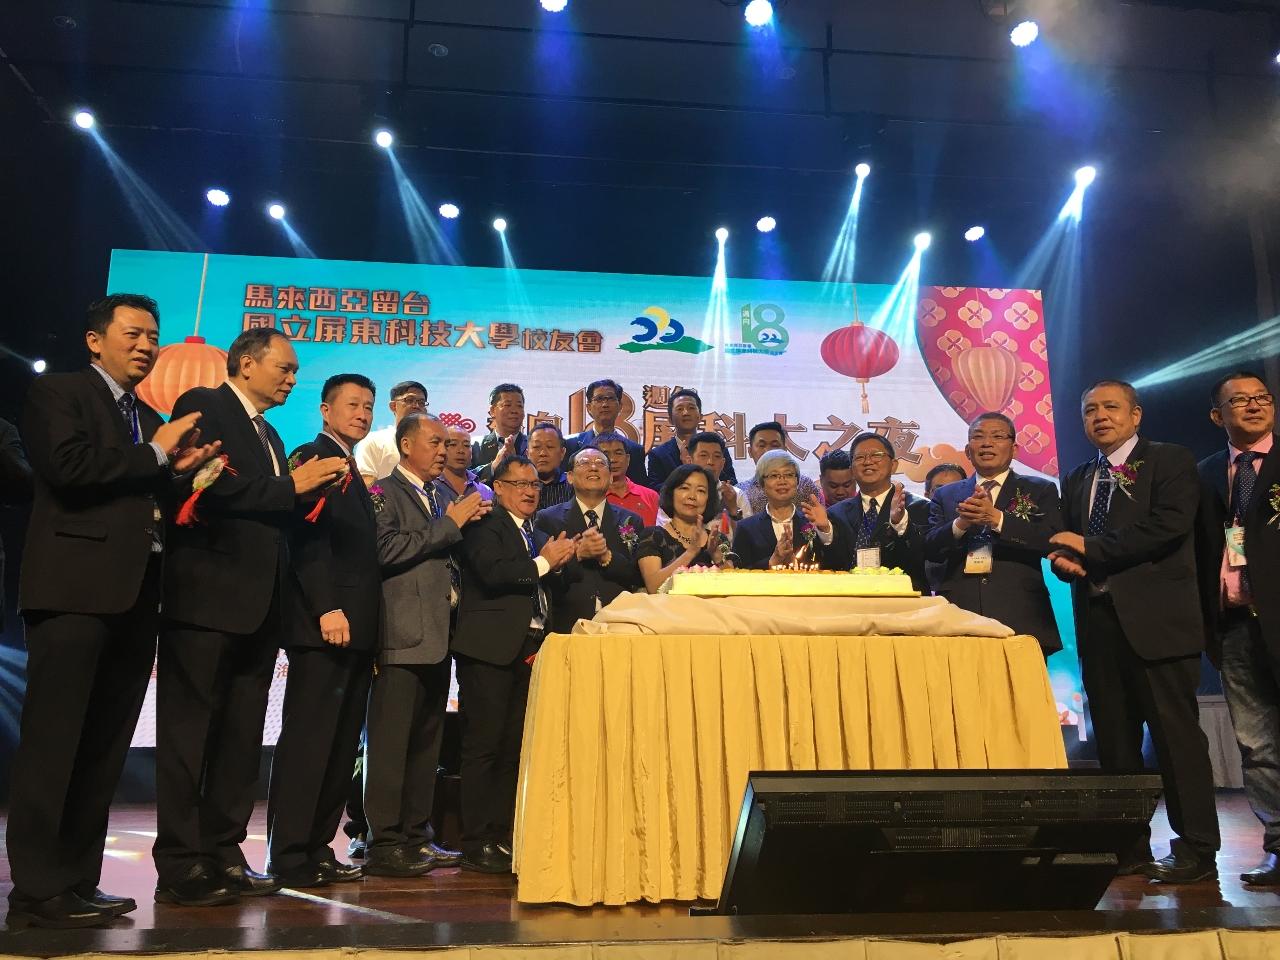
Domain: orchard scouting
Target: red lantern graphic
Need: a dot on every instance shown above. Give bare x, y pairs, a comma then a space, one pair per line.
860, 352
989, 373
179, 367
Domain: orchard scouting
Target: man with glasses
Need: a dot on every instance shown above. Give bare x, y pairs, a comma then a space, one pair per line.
989, 532
502, 618
604, 406
881, 532
506, 437
377, 455
1238, 558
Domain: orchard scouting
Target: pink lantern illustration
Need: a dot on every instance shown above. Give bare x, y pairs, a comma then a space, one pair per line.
989, 373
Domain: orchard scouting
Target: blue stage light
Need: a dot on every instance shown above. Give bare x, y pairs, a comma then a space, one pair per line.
1024, 34
218, 197
384, 139
759, 13
863, 170
766, 224
1086, 176
554, 6
449, 211
39, 366
975, 233
84, 119
722, 234
500, 225
276, 211
922, 241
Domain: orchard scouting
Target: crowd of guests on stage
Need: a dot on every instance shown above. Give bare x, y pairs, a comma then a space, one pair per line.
376, 558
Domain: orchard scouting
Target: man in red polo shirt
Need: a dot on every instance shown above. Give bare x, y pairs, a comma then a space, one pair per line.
623, 491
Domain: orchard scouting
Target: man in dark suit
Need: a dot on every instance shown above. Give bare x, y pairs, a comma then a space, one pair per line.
331, 636
15, 483
506, 438
684, 412
501, 622
225, 584
988, 534
877, 517
417, 528
604, 405
606, 536
90, 597
1127, 548
1239, 492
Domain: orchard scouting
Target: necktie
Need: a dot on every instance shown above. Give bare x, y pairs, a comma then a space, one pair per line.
526, 528
592, 519
1101, 499
984, 534
455, 577
869, 520
260, 424
130, 414
1242, 487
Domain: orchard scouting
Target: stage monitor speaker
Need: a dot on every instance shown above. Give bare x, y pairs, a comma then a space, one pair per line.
944, 840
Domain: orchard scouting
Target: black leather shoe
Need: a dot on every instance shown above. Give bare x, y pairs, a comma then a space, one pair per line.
66, 911
334, 871
116, 906
300, 878
250, 883
443, 856
199, 887
490, 858
397, 862
1135, 862
1184, 864
356, 848
1265, 874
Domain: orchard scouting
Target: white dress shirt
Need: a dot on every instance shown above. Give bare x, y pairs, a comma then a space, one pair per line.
252, 413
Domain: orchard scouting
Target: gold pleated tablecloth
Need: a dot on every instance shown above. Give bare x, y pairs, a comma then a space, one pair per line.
637, 747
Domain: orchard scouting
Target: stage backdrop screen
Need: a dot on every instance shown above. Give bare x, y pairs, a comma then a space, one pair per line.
825, 360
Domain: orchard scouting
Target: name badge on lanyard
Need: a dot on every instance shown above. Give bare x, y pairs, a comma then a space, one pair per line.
978, 560
1235, 547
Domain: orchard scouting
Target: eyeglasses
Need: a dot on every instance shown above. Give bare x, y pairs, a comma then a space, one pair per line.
993, 437
417, 403
1240, 401
871, 458
534, 485
603, 398
779, 476
593, 462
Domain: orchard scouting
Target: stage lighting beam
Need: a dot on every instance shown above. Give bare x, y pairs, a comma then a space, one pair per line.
218, 197
922, 241
1086, 176
39, 366
84, 119
384, 139
722, 234
1024, 34
975, 233
554, 6
863, 170
449, 211
766, 224
276, 211
758, 13
500, 225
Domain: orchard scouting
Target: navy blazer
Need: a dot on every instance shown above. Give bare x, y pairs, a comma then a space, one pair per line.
1262, 547
754, 542
1014, 592
665, 457
905, 552
1147, 552
583, 582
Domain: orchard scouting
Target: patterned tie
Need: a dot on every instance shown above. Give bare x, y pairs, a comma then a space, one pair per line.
455, 577
260, 424
983, 535
869, 520
1242, 488
592, 519
527, 529
129, 412
1101, 499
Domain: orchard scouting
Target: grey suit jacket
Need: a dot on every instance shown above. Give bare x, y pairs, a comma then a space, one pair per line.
413, 551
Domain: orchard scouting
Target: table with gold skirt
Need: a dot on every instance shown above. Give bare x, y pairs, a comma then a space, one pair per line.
637, 748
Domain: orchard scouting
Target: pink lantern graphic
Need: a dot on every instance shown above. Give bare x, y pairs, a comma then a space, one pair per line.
859, 352
989, 374
181, 366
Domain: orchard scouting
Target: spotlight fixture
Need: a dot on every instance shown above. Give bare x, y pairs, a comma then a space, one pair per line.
1086, 176
975, 233
500, 225
863, 170
1024, 34
218, 197
384, 139
922, 241
84, 119
722, 234
449, 211
759, 13
39, 366
766, 224
1278, 58
276, 211
554, 6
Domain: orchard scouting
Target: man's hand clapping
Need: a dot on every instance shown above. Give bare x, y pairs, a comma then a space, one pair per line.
898, 508
591, 545
978, 510
559, 551
466, 509
316, 473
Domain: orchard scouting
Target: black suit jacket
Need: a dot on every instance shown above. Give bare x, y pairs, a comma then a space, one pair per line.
905, 552
665, 457
1014, 592
635, 453
335, 560
1262, 547
584, 581
483, 452
498, 582
223, 572
754, 542
15, 482
1147, 553
93, 519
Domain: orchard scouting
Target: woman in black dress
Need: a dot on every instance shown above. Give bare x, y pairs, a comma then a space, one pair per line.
691, 499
